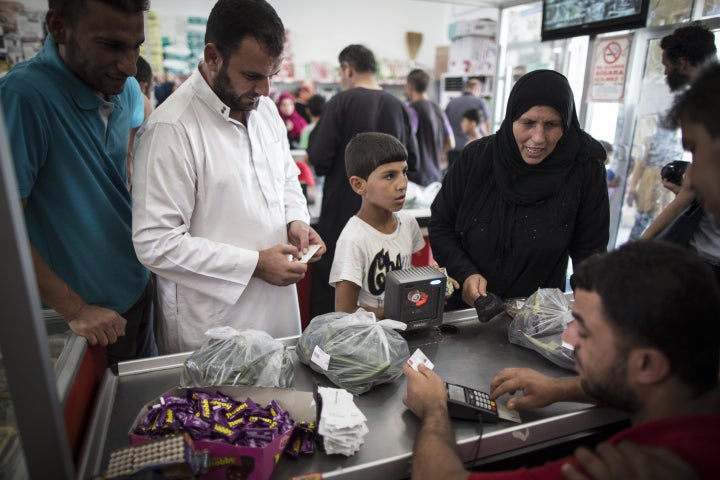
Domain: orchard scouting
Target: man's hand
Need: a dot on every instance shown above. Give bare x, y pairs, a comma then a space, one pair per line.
628, 460
301, 235
425, 391
538, 390
473, 287
274, 267
97, 324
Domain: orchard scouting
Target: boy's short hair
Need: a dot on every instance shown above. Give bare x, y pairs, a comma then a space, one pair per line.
316, 105
473, 115
367, 151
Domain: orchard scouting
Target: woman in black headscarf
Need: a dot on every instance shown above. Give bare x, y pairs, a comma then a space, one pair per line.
519, 202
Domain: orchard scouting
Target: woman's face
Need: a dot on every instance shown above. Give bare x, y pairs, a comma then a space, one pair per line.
287, 106
537, 133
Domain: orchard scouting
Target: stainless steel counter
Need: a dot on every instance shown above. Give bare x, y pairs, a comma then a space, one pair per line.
471, 356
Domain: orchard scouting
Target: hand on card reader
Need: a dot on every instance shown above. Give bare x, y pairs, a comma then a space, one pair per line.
465, 403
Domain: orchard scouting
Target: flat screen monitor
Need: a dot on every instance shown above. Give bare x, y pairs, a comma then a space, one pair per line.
574, 18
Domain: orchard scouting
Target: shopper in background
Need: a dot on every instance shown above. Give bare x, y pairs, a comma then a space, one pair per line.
696, 112
165, 88
304, 93
613, 179
217, 205
144, 76
470, 124
432, 130
315, 106
683, 221
518, 203
470, 98
294, 123
69, 111
653, 354
361, 106
644, 189
685, 51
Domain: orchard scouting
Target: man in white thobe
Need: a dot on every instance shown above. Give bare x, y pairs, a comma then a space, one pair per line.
218, 211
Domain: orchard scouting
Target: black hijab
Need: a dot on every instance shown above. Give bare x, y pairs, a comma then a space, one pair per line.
519, 182
516, 182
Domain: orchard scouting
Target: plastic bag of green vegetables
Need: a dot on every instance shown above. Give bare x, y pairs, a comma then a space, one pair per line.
539, 325
362, 352
231, 357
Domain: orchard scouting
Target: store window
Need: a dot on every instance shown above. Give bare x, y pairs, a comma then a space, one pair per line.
522, 51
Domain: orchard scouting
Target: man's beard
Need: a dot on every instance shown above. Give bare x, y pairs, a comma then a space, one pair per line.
223, 89
676, 80
612, 389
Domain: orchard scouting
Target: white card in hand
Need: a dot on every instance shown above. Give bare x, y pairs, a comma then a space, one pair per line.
417, 358
311, 251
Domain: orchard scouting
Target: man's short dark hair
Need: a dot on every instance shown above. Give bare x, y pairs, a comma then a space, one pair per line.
316, 105
418, 80
72, 9
472, 83
144, 71
658, 295
700, 103
694, 42
359, 57
473, 115
367, 151
231, 21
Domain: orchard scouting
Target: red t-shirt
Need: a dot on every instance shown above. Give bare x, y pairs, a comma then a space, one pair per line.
306, 174
694, 438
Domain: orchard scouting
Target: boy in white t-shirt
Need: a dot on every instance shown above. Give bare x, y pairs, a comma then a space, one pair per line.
380, 237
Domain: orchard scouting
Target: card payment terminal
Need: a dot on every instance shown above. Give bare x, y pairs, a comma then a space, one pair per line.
468, 404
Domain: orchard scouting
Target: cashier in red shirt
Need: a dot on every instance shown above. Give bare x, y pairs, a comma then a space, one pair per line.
653, 353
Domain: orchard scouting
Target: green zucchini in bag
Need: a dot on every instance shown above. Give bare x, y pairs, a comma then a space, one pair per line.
363, 352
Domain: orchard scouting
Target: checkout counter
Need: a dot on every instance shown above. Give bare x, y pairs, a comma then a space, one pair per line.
470, 356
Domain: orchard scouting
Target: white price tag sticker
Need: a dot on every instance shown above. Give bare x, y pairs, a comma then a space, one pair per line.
320, 358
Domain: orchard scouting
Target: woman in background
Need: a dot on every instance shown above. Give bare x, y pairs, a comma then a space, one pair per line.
293, 121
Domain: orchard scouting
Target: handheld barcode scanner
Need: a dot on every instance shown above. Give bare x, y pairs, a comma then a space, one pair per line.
415, 296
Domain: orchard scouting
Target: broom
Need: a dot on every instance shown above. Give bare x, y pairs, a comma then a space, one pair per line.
414, 39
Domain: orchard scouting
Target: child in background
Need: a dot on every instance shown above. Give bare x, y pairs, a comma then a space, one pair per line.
293, 121
315, 106
613, 180
380, 237
470, 124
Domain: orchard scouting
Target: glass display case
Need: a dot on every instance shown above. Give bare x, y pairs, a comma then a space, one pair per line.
66, 355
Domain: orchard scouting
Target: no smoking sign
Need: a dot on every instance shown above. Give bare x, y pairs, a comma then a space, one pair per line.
609, 68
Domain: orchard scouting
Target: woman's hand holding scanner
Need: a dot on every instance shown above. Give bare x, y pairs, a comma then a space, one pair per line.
274, 267
474, 287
